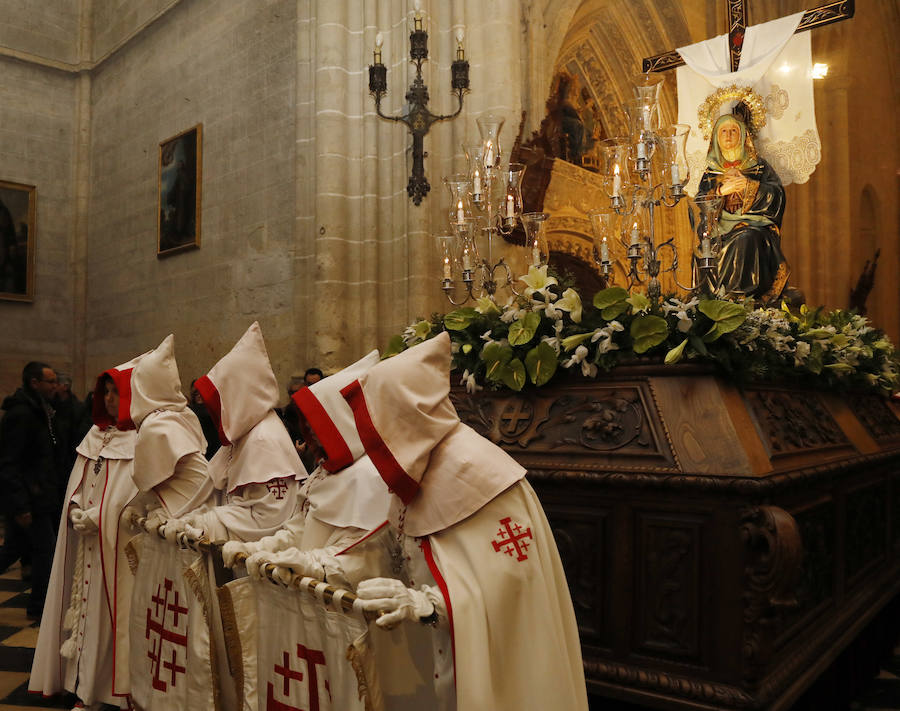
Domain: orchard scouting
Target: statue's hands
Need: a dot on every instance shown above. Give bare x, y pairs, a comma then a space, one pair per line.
733, 184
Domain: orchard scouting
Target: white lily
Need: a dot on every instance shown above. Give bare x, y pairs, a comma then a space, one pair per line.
588, 369
468, 379
537, 281
571, 302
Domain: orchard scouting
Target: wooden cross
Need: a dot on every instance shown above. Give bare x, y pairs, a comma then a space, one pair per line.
737, 25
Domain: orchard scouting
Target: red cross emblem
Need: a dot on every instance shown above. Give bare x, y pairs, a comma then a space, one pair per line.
313, 658
512, 539
277, 487
157, 624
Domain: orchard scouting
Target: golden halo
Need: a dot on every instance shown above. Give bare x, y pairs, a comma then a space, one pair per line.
708, 113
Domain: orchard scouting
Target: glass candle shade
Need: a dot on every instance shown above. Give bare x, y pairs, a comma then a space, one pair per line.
614, 165
676, 171
458, 187
447, 249
464, 233
535, 238
708, 232
489, 126
512, 205
476, 171
603, 227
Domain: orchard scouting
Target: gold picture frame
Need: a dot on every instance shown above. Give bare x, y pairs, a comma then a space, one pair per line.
17, 235
178, 192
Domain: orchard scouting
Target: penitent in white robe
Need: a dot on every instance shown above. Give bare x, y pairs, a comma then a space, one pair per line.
90, 579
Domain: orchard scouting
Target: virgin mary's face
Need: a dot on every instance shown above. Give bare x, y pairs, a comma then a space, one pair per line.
729, 135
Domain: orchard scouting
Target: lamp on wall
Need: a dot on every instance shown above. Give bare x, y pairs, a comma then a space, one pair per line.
418, 118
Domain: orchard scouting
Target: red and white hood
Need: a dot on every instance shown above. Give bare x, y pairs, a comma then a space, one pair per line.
121, 377
440, 468
241, 389
330, 416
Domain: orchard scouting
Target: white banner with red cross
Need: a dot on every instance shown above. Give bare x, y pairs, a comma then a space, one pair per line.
297, 653
171, 654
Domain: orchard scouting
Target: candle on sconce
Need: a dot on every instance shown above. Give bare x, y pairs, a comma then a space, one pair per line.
634, 235
604, 251
417, 20
466, 260
641, 150
676, 176
617, 182
379, 41
476, 183
536, 254
510, 206
460, 213
705, 248
447, 273
488, 154
460, 52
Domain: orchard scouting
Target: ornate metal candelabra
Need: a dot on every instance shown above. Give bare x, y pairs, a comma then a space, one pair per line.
486, 201
418, 119
644, 171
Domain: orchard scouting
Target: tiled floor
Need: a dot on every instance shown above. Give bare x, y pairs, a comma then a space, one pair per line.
18, 637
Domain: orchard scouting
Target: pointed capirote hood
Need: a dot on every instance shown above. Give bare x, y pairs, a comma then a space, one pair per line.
441, 469
330, 416
155, 383
121, 377
241, 388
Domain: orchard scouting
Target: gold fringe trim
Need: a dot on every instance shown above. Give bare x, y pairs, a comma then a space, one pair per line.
368, 690
750, 194
132, 555
781, 277
195, 581
232, 640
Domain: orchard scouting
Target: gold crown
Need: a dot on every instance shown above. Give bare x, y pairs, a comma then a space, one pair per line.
708, 113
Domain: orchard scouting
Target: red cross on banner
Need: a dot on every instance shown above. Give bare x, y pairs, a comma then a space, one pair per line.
512, 539
278, 488
172, 636
313, 659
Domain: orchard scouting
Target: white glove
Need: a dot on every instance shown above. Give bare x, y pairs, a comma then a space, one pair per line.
172, 528
230, 549
84, 521
401, 602
304, 563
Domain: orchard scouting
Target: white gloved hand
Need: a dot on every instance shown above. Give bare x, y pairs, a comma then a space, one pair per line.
304, 563
400, 602
172, 528
230, 549
85, 521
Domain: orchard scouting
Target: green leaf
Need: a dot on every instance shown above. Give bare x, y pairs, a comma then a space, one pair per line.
841, 368
541, 362
460, 319
610, 296
726, 316
613, 312
495, 358
698, 345
513, 375
648, 331
638, 302
674, 355
571, 342
395, 345
523, 330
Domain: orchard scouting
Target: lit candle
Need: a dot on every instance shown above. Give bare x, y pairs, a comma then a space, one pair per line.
617, 182
417, 25
641, 151
634, 235
466, 260
447, 268
510, 206
604, 251
476, 183
379, 40
488, 154
676, 177
460, 213
460, 52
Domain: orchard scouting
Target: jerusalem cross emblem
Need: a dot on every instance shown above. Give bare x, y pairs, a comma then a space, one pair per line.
313, 659
166, 640
512, 539
277, 488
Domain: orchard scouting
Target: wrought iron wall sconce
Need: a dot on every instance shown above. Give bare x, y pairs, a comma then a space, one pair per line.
419, 119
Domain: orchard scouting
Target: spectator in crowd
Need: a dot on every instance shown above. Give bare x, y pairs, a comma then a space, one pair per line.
69, 412
312, 375
32, 483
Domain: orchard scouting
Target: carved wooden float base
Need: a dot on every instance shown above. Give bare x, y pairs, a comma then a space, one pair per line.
721, 545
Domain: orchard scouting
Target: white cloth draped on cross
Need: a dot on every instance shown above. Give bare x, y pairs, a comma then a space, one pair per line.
776, 64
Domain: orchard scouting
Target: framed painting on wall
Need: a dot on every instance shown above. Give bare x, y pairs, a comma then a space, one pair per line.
17, 210
178, 202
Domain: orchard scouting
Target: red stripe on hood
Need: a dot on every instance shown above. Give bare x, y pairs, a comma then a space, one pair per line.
122, 380
395, 476
213, 403
339, 455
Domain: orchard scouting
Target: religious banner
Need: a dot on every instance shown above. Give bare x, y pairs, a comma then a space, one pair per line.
774, 78
291, 652
172, 656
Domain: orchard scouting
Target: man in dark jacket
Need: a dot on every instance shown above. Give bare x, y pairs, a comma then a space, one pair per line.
30, 459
